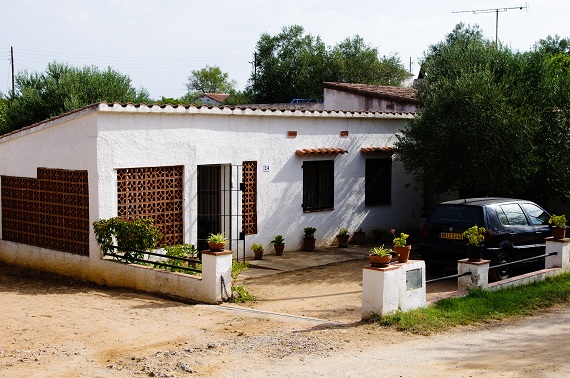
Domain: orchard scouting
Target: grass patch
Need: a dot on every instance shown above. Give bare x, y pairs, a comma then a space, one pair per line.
481, 306
239, 293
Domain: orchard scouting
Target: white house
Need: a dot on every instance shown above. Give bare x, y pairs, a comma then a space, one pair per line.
249, 172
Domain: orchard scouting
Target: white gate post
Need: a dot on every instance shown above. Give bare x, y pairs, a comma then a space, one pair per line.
217, 269
479, 276
561, 259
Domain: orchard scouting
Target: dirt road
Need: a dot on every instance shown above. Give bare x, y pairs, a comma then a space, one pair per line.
55, 327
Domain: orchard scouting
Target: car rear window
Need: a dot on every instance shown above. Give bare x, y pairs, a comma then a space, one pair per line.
457, 216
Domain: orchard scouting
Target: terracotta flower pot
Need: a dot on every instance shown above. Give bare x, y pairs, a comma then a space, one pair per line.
342, 240
380, 261
279, 249
258, 254
308, 245
558, 232
403, 253
216, 247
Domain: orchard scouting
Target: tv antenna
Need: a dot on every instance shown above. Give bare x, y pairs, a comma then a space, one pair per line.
497, 11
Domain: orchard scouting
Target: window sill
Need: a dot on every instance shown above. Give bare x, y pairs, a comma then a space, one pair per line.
317, 210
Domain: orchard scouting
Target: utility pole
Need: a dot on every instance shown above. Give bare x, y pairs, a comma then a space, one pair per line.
491, 10
12, 64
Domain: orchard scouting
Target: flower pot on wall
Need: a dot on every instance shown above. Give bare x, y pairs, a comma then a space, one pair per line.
403, 253
474, 253
216, 247
558, 232
380, 261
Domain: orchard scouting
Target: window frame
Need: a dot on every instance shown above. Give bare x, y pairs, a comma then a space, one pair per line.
376, 181
318, 185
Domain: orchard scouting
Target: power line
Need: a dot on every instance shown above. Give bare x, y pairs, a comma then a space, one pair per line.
496, 11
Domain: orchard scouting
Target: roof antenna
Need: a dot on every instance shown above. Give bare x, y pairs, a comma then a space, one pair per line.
496, 10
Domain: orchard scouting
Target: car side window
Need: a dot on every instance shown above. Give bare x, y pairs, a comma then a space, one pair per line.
511, 215
536, 214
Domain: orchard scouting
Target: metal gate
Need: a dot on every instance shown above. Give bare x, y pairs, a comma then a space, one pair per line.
220, 205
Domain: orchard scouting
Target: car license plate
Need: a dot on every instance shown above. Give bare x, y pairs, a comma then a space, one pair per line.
451, 235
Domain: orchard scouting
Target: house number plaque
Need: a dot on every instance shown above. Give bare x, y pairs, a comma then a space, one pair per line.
413, 279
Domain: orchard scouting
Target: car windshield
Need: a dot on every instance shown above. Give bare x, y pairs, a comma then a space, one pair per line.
457, 215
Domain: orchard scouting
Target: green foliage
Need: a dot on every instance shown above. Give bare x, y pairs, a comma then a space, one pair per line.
309, 232
381, 251
63, 88
482, 306
4, 102
257, 247
278, 240
210, 79
217, 238
187, 251
239, 293
343, 231
138, 234
503, 117
399, 241
293, 64
557, 220
475, 235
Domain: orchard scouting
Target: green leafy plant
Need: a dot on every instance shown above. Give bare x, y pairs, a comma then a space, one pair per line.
381, 251
399, 241
278, 240
557, 220
475, 235
187, 251
133, 234
257, 247
239, 293
217, 238
309, 232
343, 231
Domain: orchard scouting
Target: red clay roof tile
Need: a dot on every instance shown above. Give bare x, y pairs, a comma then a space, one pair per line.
380, 91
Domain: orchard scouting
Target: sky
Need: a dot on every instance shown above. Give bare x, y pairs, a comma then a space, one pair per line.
158, 43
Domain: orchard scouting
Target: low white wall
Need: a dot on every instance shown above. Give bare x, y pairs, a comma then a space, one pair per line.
205, 289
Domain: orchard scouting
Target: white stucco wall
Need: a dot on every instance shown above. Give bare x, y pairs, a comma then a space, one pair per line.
105, 138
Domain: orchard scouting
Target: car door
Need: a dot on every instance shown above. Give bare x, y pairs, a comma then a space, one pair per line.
538, 218
522, 235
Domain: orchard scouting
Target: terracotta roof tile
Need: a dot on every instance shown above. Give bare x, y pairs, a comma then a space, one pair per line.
220, 97
367, 150
380, 91
322, 150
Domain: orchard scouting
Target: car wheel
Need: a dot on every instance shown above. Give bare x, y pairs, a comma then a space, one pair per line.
503, 273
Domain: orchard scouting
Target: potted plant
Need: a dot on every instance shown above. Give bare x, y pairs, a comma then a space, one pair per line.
359, 237
475, 237
187, 251
378, 234
217, 242
257, 251
278, 244
309, 239
380, 257
342, 238
401, 247
558, 223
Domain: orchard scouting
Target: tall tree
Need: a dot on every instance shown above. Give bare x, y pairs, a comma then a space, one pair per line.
63, 88
210, 79
293, 64
354, 61
483, 126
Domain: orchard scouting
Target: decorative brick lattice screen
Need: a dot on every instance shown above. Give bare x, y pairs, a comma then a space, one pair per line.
51, 211
249, 197
155, 193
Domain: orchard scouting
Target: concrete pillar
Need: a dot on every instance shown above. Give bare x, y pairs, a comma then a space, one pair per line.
479, 274
561, 260
380, 291
217, 269
412, 285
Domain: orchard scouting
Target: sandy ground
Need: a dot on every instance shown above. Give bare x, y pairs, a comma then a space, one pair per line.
304, 323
